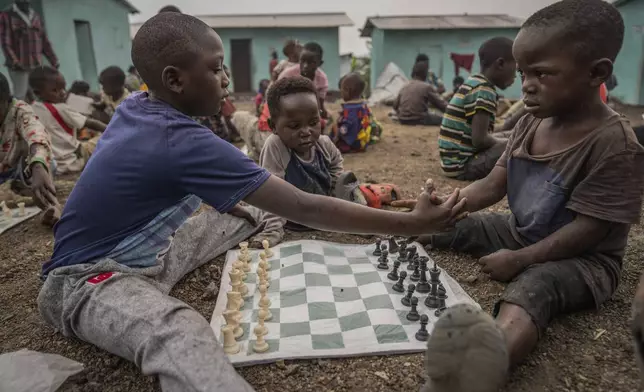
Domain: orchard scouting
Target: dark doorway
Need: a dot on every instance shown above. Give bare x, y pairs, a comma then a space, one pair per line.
240, 65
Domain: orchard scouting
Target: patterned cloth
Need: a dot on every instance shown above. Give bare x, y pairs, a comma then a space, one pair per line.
23, 137
455, 139
24, 40
357, 127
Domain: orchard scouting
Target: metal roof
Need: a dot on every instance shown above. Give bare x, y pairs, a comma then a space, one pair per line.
129, 6
439, 22
270, 21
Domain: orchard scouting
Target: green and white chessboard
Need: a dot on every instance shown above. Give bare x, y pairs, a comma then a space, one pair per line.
16, 218
327, 300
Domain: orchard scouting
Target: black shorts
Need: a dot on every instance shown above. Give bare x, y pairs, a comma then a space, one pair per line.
544, 290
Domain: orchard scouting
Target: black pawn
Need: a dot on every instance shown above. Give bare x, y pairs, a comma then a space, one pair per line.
378, 251
393, 245
393, 275
415, 277
402, 252
422, 334
442, 297
384, 261
399, 286
406, 300
413, 314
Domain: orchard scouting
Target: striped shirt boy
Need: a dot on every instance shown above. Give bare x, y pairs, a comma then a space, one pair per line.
455, 139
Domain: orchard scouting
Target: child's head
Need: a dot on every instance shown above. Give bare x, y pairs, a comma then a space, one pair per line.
5, 96
422, 58
565, 52
295, 115
170, 8
132, 70
48, 84
310, 59
263, 85
420, 71
112, 80
497, 63
292, 50
274, 54
80, 87
352, 86
180, 58
457, 82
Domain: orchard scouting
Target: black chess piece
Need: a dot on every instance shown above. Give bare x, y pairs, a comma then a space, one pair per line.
402, 252
393, 245
423, 285
400, 285
415, 277
439, 312
434, 281
432, 301
424, 259
378, 251
411, 252
406, 300
393, 275
413, 314
442, 297
422, 334
383, 261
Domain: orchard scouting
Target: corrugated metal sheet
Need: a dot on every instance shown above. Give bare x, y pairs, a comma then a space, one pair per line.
270, 21
440, 22
129, 6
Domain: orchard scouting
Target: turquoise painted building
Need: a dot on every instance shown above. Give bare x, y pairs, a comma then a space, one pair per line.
629, 66
87, 35
399, 39
248, 40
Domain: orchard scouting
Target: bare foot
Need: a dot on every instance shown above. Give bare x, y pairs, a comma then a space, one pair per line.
51, 216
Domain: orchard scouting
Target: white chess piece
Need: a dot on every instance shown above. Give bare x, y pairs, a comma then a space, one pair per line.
243, 245
6, 210
239, 265
264, 307
235, 301
245, 258
236, 277
232, 318
260, 345
230, 344
21, 209
263, 277
261, 317
263, 264
267, 249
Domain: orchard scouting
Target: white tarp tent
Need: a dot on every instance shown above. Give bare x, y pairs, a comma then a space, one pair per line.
388, 85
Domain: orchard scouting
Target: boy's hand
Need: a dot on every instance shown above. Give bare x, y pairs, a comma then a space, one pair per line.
42, 185
502, 265
439, 217
430, 189
241, 212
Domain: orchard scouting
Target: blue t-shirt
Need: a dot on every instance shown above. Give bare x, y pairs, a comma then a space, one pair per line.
151, 168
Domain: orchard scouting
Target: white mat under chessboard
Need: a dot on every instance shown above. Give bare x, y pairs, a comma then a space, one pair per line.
6, 224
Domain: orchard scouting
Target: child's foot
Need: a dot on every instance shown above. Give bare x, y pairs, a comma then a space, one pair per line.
51, 216
466, 352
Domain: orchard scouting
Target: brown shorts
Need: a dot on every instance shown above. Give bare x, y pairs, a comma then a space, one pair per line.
544, 290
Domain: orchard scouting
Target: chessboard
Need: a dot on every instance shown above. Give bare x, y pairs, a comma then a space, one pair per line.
12, 217
329, 300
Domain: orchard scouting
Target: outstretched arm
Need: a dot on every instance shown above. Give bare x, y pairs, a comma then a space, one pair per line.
326, 213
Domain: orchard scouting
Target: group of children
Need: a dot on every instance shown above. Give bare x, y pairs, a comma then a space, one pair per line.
563, 169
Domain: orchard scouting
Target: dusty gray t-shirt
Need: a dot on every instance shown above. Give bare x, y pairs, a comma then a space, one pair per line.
415, 99
601, 176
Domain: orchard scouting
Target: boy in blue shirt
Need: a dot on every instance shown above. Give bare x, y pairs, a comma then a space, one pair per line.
125, 237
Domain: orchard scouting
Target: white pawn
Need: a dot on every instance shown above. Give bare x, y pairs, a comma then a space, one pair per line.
245, 258
235, 301
261, 317
265, 302
230, 344
232, 318
260, 345
263, 277
267, 250
21, 209
263, 264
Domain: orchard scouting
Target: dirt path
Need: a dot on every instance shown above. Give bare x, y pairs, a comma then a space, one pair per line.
569, 358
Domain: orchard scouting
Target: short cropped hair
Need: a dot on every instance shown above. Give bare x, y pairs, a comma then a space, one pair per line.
315, 48
284, 87
170, 8
5, 91
113, 76
594, 28
166, 39
420, 70
354, 84
40, 75
422, 58
494, 49
79, 87
458, 79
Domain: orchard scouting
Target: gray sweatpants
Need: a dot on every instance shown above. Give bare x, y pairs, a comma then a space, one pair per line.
130, 314
20, 82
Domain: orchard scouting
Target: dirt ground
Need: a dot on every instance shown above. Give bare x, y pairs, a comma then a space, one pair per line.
590, 351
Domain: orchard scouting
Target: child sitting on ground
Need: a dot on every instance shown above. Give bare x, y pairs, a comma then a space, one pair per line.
414, 101
432, 78
456, 84
113, 92
132, 80
259, 98
127, 236
468, 151
61, 121
356, 127
25, 155
564, 172
291, 50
